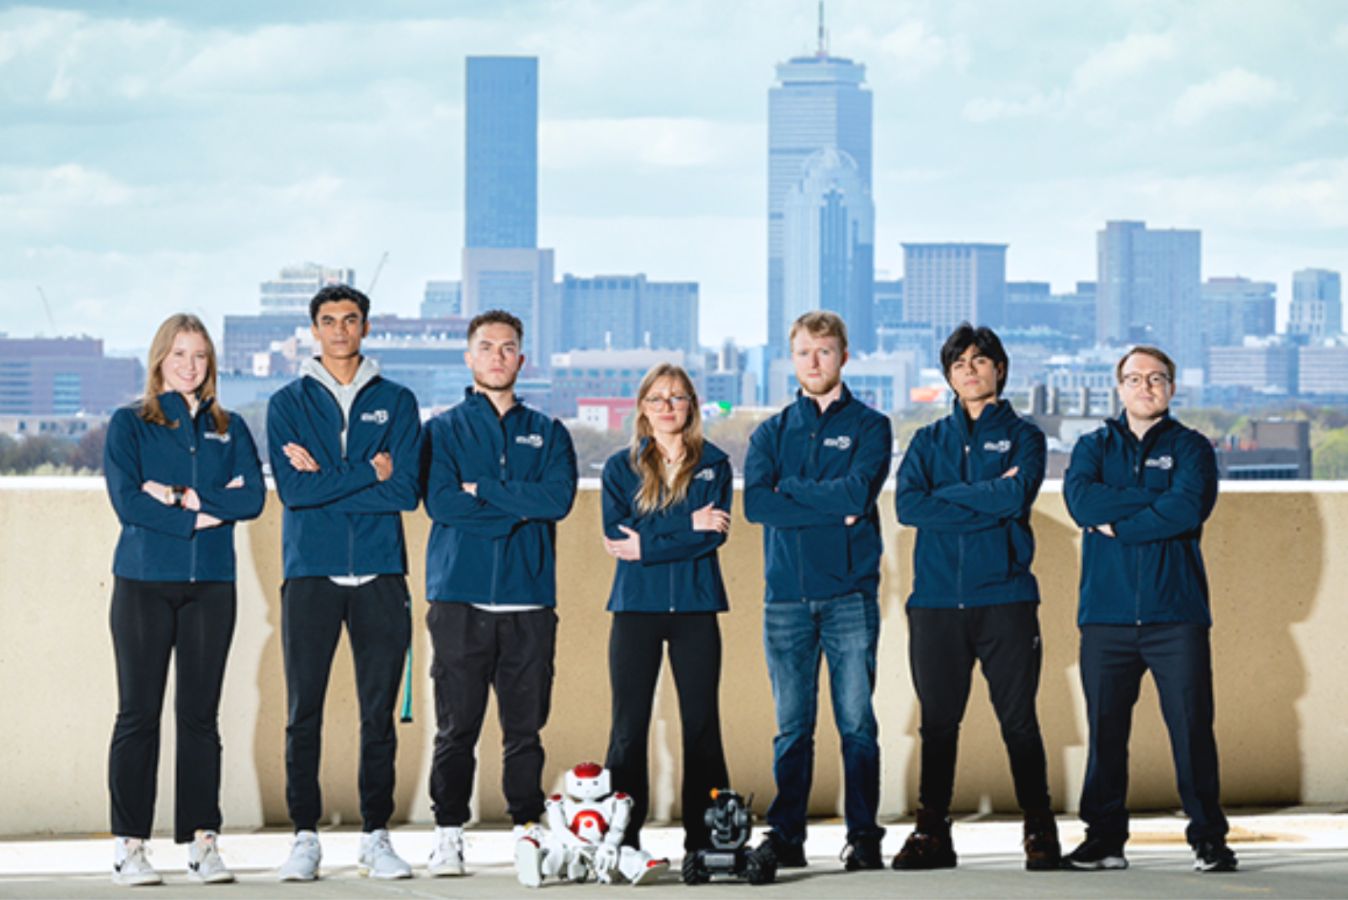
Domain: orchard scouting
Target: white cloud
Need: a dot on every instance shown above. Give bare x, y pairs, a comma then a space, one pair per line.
1341, 36
653, 141
980, 110
1235, 88
1134, 55
909, 50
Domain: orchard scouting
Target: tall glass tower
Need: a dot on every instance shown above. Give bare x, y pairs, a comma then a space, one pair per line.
1150, 289
819, 102
501, 190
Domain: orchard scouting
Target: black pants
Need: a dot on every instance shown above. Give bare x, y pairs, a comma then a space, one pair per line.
1113, 661
378, 622
635, 650
151, 621
943, 645
512, 653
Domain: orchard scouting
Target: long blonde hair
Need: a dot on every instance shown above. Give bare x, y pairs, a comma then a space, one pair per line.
160, 347
655, 493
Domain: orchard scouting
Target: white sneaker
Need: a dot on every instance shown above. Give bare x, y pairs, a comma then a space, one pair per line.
203, 860
131, 863
528, 855
305, 855
447, 854
377, 859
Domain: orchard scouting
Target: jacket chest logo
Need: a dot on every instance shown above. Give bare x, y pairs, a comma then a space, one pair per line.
377, 416
530, 440
1164, 463
217, 436
705, 475
1002, 446
841, 442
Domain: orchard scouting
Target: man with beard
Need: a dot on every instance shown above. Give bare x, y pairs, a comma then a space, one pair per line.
499, 476
811, 478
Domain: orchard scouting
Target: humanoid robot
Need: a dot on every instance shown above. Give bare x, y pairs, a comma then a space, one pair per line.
584, 836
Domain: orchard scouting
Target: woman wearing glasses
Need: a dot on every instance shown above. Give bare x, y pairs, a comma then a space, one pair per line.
666, 511
180, 472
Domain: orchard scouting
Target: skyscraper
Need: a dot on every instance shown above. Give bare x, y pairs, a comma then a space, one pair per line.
501, 185
502, 265
945, 284
1317, 304
828, 242
1237, 308
819, 102
1149, 289
627, 312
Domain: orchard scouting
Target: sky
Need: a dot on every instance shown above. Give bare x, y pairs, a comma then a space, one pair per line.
166, 156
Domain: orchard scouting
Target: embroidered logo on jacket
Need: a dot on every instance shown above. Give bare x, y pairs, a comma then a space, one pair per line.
841, 442
1002, 446
1161, 462
217, 436
377, 416
705, 475
530, 440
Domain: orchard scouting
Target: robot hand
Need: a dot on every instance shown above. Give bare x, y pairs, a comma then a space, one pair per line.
605, 861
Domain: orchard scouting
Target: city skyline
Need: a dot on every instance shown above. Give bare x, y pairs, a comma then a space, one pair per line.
165, 158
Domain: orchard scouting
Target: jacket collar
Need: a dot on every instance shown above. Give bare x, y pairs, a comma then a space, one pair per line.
313, 368
481, 403
808, 407
1120, 424
996, 413
175, 407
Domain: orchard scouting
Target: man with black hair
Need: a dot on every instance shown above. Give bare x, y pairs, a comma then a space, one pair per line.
1141, 488
344, 445
499, 476
967, 483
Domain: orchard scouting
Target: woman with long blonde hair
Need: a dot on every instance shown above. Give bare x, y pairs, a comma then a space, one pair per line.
666, 509
180, 471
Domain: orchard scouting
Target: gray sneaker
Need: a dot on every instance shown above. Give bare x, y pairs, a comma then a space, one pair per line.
447, 854
204, 864
305, 855
377, 859
131, 863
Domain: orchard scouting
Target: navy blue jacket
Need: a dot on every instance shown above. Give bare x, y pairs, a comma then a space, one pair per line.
160, 542
678, 571
342, 520
974, 544
804, 474
1156, 494
497, 547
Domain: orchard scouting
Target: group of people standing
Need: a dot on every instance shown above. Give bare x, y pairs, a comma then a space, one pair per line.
349, 455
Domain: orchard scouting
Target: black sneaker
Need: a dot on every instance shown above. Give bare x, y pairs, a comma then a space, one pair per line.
1043, 853
929, 846
1094, 854
786, 855
1214, 856
862, 854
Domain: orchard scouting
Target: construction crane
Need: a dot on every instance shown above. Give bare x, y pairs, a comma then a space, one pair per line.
47, 306
374, 279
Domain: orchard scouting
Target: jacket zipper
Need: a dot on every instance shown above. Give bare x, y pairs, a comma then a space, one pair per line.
192, 564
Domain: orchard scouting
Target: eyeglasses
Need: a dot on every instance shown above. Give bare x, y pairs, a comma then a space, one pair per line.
677, 401
1135, 380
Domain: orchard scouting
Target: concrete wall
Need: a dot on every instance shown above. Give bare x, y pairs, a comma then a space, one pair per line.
1278, 562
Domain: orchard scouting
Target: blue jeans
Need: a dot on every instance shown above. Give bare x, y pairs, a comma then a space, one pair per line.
846, 630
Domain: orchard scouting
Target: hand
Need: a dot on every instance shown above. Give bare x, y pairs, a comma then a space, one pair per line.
161, 492
469, 487
191, 500
206, 520
628, 549
1107, 530
235, 482
383, 465
300, 460
605, 858
849, 521
709, 518
1011, 472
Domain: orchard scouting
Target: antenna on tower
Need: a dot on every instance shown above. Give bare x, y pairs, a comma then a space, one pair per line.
823, 33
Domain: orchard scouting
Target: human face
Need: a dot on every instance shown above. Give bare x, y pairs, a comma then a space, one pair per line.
974, 376
1145, 387
184, 369
818, 361
339, 329
494, 357
667, 406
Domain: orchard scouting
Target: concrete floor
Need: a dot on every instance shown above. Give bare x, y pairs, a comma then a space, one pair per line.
1290, 853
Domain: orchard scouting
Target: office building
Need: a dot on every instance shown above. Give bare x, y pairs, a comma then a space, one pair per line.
818, 102
1316, 312
1237, 308
64, 377
1149, 289
289, 293
828, 245
501, 152
441, 299
945, 284
1322, 370
1262, 365
628, 312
